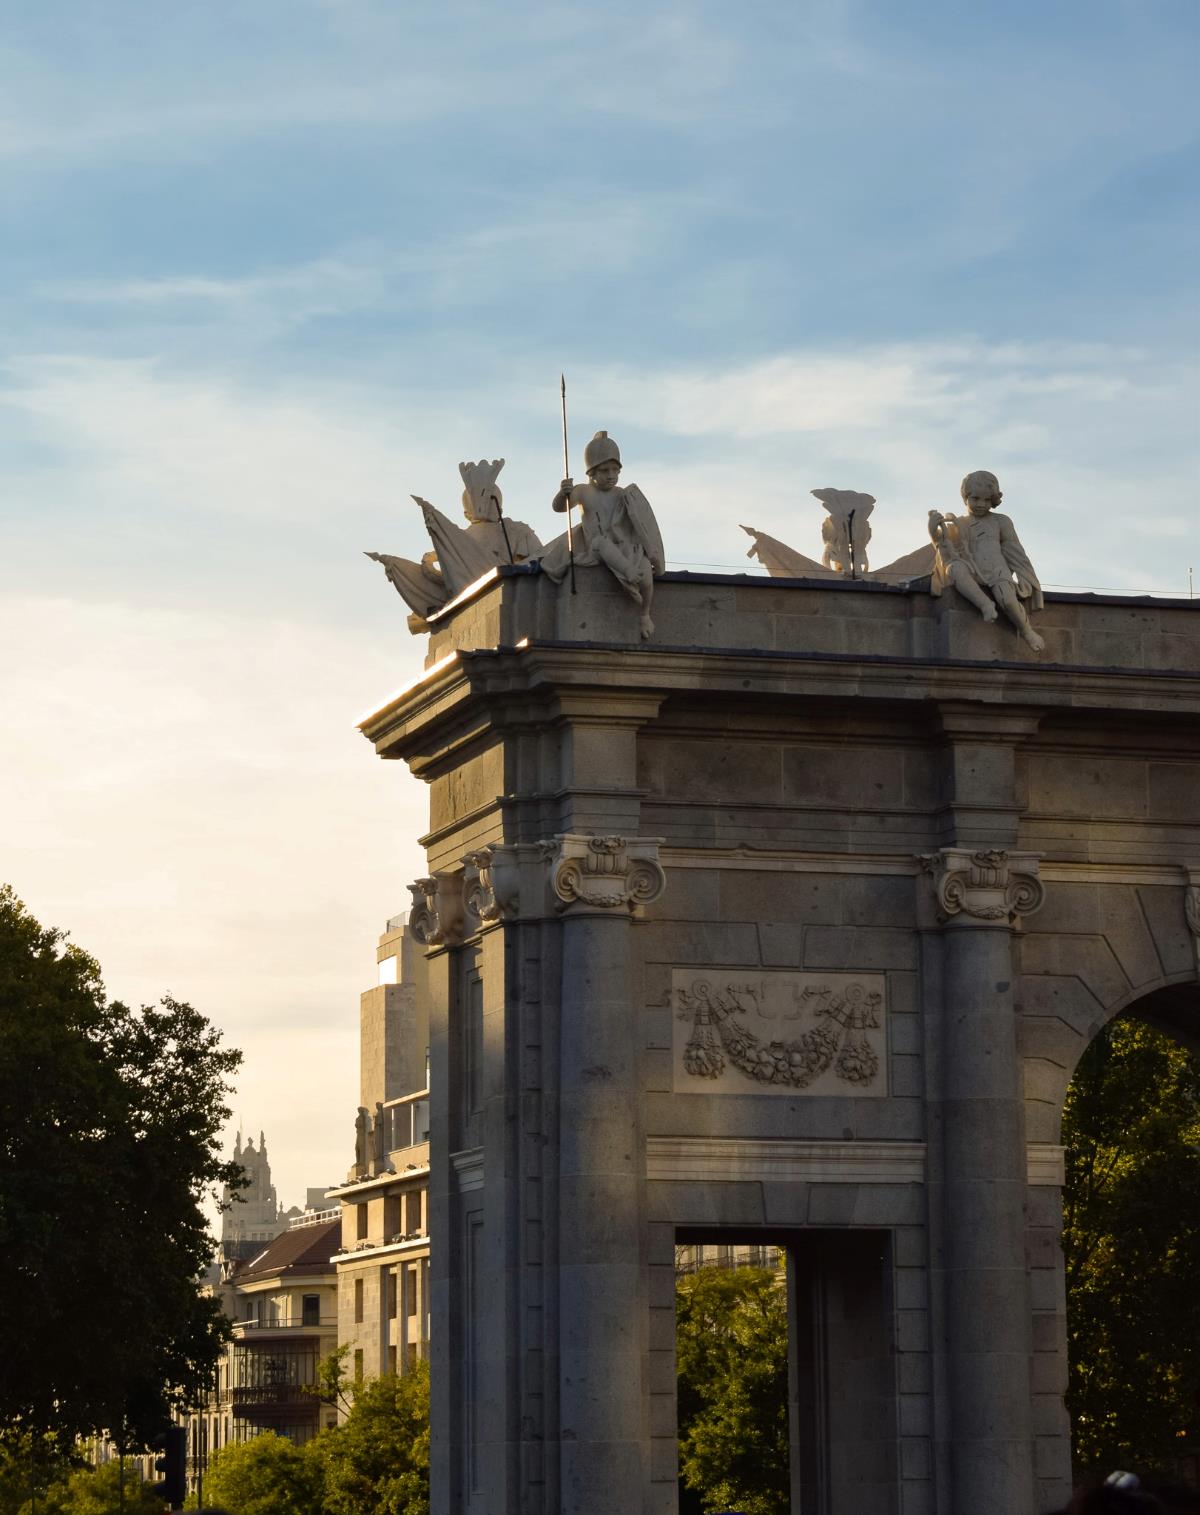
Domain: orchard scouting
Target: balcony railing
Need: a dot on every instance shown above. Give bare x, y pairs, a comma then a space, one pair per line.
267, 1396
254, 1327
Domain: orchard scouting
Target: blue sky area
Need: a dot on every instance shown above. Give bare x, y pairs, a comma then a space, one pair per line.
266, 270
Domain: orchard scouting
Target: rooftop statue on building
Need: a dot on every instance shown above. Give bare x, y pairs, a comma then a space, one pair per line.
461, 554
981, 556
617, 528
845, 532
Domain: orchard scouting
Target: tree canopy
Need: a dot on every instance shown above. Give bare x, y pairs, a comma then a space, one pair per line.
110, 1122
731, 1361
39, 1476
377, 1461
1131, 1240
267, 1475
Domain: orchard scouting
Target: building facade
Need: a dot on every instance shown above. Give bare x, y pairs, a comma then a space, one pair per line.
383, 1259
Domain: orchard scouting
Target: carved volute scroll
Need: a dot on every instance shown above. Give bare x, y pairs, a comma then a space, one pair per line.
436, 917
605, 872
990, 886
479, 900
422, 921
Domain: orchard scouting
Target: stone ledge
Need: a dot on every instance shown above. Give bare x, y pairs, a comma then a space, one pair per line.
712, 1159
733, 1160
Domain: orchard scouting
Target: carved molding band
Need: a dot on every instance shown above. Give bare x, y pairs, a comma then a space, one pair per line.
992, 886
605, 872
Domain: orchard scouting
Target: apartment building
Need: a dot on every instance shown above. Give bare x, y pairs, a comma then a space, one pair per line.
383, 1260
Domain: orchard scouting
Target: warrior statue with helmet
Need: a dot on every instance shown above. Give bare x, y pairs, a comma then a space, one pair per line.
617, 527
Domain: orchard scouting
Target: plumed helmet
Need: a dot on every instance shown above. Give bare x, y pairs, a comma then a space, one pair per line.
601, 449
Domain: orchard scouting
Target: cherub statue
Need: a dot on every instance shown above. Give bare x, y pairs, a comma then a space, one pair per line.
845, 530
981, 555
617, 528
461, 554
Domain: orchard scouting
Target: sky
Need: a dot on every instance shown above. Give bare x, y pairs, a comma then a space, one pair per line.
267, 270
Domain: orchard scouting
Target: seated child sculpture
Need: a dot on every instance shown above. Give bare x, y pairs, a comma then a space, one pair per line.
981, 555
617, 528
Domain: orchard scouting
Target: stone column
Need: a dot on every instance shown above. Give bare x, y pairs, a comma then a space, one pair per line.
599, 882
978, 895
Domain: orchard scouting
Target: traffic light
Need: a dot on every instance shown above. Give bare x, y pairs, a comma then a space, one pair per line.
172, 1464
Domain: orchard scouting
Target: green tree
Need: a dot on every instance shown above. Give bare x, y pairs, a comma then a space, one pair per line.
31, 1466
332, 1386
377, 1461
731, 1358
98, 1491
39, 1475
110, 1121
1131, 1242
267, 1475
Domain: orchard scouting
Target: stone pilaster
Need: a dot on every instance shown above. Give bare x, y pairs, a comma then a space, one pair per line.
599, 884
977, 895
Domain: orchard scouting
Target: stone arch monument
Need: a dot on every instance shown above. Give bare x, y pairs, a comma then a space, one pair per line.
789, 924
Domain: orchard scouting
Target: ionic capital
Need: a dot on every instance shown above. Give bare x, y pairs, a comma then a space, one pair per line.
994, 887
603, 873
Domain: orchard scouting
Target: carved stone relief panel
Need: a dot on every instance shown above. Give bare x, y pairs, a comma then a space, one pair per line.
745, 1031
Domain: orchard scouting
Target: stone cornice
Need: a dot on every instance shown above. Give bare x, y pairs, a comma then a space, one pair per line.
468, 693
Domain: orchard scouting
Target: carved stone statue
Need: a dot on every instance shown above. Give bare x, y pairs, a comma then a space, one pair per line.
461, 554
617, 528
981, 556
362, 1122
379, 1137
845, 533
845, 530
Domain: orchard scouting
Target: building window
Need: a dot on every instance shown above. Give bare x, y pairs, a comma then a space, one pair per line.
358, 1365
391, 1359
391, 1293
391, 1217
362, 1222
410, 1288
358, 1302
412, 1224
387, 971
311, 1310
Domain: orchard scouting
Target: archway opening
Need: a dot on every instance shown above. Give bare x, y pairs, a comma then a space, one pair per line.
1131, 1241
786, 1379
